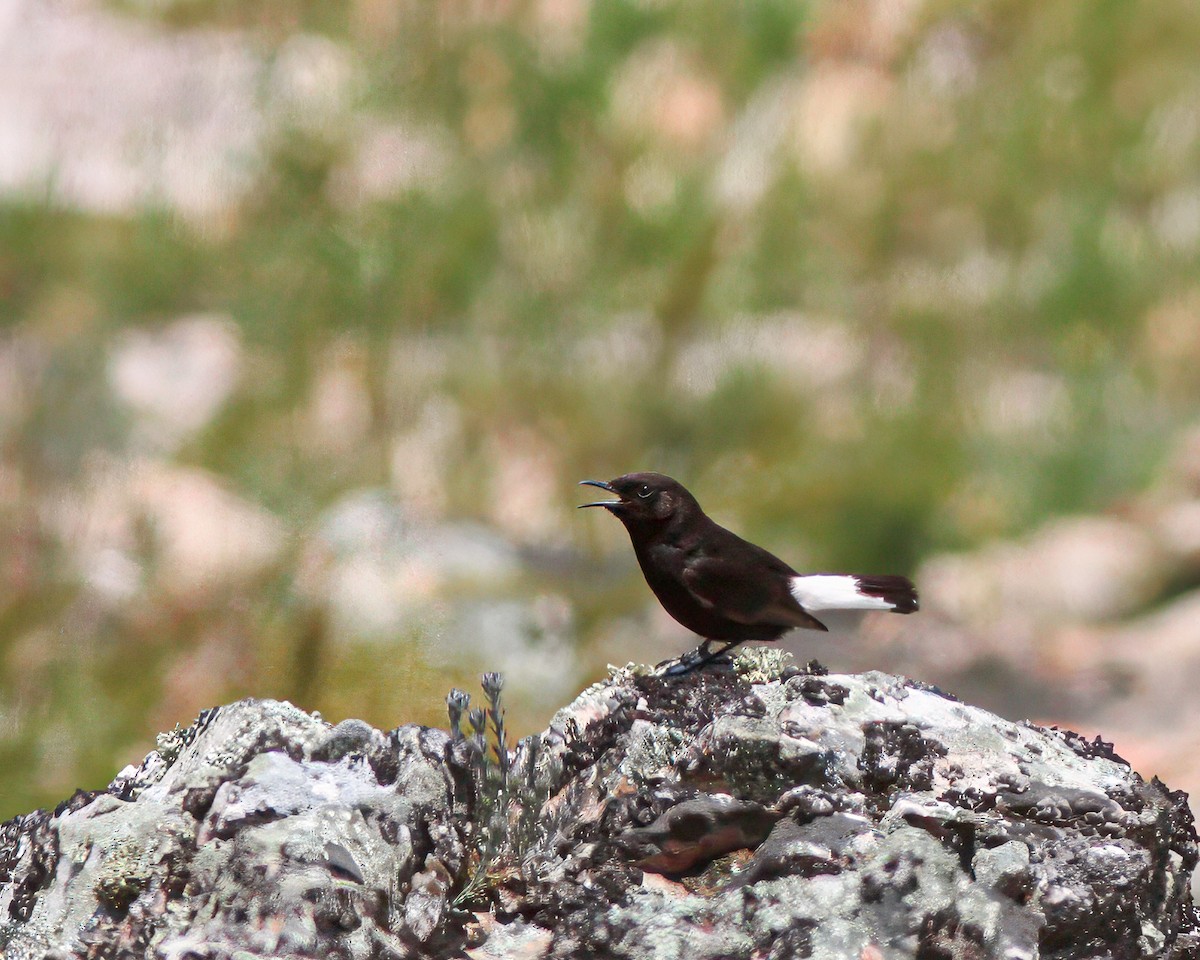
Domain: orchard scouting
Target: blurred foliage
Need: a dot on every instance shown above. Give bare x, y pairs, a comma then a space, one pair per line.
874, 279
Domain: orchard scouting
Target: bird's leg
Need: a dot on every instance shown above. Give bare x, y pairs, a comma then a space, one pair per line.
688, 661
719, 654
700, 657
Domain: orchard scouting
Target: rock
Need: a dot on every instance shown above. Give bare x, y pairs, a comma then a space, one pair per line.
378, 569
202, 534
1074, 568
174, 380
259, 829
77, 147
758, 810
696, 831
1177, 525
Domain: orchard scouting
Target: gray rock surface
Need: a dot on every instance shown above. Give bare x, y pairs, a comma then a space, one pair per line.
759, 810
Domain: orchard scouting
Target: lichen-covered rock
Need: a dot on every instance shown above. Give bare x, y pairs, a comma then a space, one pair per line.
756, 811
907, 824
260, 830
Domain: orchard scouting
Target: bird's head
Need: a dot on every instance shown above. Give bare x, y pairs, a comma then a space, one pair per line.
643, 498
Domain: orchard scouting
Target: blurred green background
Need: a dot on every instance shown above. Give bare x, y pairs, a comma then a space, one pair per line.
313, 314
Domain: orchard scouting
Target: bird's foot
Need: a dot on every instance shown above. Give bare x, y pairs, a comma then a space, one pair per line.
682, 666
702, 656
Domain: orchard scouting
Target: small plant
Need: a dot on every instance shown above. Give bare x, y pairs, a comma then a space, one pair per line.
506, 799
457, 703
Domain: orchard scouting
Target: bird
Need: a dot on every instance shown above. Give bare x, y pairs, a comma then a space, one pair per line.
722, 587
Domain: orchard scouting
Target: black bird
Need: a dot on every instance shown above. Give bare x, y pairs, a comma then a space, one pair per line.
723, 587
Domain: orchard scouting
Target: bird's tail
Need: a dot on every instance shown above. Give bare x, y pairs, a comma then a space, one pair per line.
843, 591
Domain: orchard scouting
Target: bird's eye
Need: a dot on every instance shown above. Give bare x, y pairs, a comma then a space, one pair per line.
645, 491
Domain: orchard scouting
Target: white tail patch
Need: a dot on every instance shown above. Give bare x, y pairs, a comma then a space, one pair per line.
834, 591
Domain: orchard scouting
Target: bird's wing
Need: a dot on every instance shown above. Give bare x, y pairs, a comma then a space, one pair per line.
736, 593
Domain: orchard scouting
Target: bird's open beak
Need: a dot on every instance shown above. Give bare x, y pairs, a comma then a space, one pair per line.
603, 486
